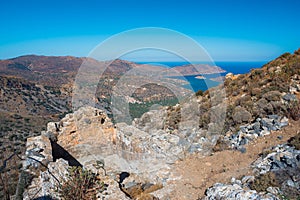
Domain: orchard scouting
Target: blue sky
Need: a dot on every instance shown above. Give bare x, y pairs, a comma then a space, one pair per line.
227, 29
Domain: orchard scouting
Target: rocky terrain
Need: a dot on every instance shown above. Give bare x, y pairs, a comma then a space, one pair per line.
35, 90
239, 140
39, 88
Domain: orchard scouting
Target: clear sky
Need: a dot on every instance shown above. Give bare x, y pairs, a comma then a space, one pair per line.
227, 29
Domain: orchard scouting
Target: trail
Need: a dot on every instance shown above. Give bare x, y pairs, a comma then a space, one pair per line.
197, 174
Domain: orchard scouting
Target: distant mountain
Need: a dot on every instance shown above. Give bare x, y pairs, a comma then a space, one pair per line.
63, 69
197, 69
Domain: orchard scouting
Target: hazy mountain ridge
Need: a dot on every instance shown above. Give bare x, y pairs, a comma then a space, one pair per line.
197, 69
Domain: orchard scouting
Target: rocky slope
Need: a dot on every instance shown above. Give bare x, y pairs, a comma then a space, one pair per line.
173, 152
41, 87
141, 160
35, 90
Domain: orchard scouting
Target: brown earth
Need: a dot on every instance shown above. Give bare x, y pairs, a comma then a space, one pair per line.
198, 174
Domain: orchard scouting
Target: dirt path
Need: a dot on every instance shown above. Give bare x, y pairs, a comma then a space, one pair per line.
200, 173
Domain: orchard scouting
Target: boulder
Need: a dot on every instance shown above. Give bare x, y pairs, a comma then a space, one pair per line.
272, 96
38, 152
47, 182
240, 115
235, 191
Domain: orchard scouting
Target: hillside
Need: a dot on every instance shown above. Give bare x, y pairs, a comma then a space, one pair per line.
41, 87
35, 90
242, 134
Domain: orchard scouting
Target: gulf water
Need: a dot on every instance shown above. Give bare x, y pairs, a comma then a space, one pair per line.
203, 84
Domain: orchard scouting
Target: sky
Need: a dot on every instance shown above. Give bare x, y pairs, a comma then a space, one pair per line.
229, 30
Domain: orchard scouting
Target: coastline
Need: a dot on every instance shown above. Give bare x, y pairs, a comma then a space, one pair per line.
200, 77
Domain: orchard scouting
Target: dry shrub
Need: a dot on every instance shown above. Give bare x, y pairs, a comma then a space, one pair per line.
80, 185
294, 110
263, 181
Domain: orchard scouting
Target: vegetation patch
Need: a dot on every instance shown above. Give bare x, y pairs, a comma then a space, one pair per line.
295, 141
81, 185
136, 110
263, 181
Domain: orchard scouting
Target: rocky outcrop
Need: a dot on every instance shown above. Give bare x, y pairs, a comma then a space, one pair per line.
235, 191
147, 149
281, 157
38, 152
47, 181
261, 127
277, 175
88, 137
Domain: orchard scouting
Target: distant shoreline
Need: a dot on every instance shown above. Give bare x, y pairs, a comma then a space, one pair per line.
200, 77
235, 67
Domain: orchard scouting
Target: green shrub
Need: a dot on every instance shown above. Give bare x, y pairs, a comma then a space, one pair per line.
199, 93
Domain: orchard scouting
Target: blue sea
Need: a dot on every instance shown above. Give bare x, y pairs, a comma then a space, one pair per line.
203, 84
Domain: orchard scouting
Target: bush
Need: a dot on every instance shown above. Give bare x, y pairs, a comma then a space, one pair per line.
199, 93
295, 141
294, 110
263, 181
256, 92
80, 184
272, 96
242, 100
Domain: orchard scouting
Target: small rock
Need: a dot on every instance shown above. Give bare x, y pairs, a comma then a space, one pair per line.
256, 126
290, 183
87, 121
243, 129
265, 132
273, 190
242, 150
195, 147
247, 179
274, 117
289, 97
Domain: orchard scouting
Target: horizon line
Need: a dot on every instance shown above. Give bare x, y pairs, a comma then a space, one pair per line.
136, 60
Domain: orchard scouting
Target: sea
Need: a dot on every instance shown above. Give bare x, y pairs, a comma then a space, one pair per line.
196, 84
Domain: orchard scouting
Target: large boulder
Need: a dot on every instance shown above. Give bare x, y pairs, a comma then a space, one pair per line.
241, 115
38, 152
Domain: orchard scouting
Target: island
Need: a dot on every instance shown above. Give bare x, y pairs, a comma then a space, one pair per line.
193, 70
200, 77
